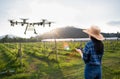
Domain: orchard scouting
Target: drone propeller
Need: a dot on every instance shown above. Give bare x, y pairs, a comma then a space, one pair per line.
49, 23
43, 22
24, 20
11, 22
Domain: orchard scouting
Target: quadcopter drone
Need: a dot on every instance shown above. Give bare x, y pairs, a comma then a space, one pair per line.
28, 24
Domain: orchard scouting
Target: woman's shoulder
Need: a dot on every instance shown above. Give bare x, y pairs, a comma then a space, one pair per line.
89, 42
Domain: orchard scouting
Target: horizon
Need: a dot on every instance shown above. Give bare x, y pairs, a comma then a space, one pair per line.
50, 31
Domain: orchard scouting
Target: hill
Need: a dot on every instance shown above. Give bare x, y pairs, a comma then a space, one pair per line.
72, 32
66, 32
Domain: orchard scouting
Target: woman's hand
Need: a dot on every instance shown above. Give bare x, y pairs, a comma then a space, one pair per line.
79, 51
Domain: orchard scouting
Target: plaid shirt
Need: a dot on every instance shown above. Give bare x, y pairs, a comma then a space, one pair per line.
90, 56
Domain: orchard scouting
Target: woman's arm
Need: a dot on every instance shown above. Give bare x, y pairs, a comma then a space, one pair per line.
80, 52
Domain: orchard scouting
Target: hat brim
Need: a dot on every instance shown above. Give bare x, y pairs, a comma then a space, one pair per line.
98, 37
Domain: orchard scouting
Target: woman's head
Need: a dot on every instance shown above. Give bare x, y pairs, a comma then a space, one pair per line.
94, 31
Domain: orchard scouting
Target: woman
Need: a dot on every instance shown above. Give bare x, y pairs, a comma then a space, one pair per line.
92, 53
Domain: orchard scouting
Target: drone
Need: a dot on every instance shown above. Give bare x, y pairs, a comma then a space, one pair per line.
29, 24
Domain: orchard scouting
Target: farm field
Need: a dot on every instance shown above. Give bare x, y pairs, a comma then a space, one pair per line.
44, 60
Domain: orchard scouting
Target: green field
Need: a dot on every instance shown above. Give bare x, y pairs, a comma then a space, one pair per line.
42, 60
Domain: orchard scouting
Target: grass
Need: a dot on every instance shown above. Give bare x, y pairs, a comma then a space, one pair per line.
39, 61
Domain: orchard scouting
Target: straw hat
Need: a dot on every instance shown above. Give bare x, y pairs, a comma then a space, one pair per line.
94, 31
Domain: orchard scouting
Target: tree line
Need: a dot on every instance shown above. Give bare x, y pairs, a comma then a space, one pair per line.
7, 39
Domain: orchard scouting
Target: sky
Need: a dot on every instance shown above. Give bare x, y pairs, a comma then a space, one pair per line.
77, 13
